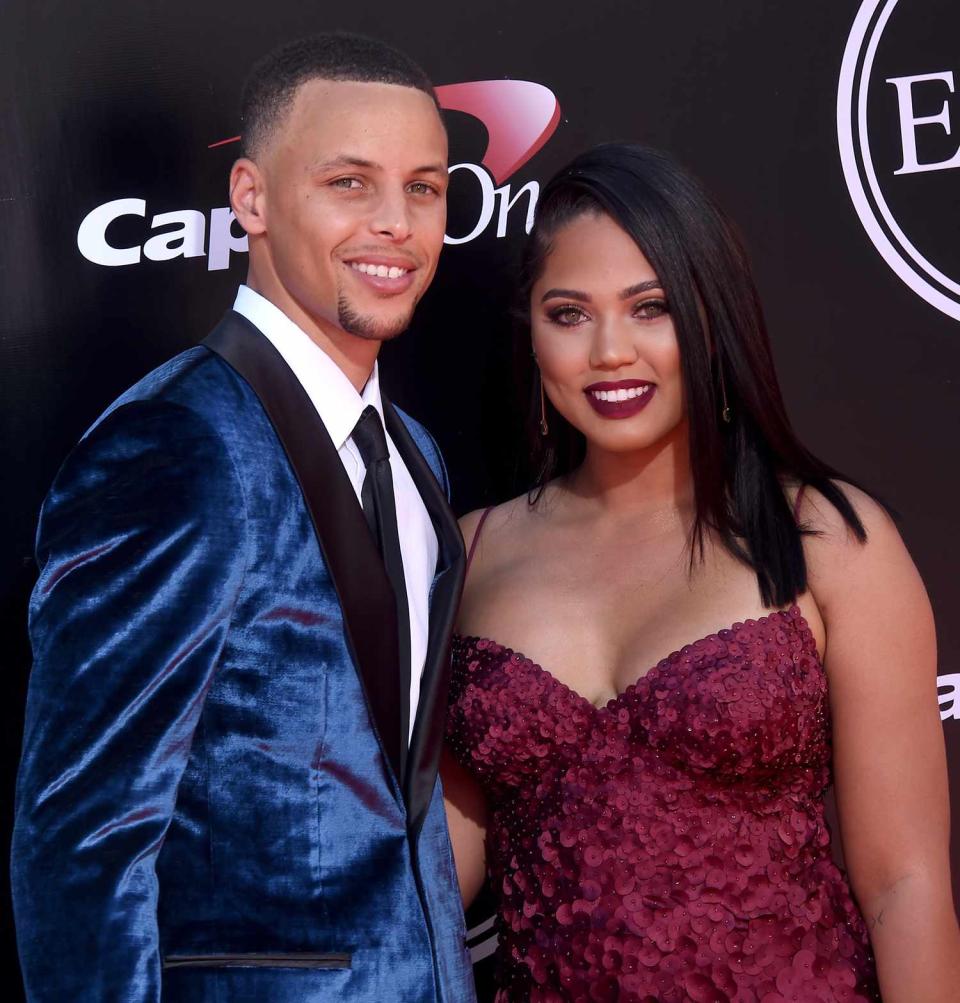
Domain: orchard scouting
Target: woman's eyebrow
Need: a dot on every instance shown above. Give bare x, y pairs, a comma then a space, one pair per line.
576, 294
571, 294
640, 287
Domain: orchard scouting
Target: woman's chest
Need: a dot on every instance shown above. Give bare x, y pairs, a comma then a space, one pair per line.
601, 621
748, 701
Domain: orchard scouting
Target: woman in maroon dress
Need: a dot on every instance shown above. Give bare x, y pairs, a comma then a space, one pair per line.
653, 823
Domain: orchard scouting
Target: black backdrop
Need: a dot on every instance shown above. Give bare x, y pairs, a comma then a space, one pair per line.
122, 100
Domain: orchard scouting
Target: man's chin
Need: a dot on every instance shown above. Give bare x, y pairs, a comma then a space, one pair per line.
370, 326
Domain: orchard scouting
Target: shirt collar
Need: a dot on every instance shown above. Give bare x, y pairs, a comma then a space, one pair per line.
333, 395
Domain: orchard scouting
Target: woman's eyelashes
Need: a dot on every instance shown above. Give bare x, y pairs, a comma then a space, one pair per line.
567, 315
651, 309
571, 315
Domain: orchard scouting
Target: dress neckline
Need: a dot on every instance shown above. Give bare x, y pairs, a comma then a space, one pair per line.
792, 616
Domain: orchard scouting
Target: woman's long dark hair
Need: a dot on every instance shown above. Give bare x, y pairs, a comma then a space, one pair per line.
739, 466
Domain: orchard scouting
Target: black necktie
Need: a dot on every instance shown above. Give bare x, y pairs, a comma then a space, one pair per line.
380, 510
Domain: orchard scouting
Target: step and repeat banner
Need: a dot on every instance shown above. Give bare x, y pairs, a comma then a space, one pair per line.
830, 130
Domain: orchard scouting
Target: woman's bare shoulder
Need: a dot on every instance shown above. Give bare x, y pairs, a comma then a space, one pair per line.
828, 529
496, 520
844, 567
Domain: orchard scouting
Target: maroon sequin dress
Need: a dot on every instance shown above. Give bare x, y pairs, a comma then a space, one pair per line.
670, 846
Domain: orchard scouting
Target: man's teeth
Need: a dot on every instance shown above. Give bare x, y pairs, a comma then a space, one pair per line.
381, 271
621, 395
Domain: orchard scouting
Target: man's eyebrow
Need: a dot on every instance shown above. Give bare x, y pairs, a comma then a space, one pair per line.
640, 287
345, 160
570, 294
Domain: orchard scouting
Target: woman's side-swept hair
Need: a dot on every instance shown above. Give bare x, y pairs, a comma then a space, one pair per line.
739, 466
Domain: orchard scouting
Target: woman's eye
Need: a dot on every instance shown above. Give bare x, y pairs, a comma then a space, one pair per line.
651, 309
348, 184
567, 316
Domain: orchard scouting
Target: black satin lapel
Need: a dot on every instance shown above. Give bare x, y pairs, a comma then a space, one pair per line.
362, 586
427, 740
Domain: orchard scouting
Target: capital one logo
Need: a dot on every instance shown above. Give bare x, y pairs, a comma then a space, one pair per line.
948, 696
519, 116
898, 128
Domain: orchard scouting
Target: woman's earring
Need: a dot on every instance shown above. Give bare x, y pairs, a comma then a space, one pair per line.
726, 414
544, 427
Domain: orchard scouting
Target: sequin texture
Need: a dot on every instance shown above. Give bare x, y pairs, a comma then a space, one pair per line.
670, 846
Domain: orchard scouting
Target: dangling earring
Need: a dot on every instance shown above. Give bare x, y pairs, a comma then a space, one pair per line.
726, 414
544, 427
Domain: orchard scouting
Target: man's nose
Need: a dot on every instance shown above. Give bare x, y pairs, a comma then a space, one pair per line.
391, 216
613, 345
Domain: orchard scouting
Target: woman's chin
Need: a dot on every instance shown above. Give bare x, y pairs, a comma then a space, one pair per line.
636, 432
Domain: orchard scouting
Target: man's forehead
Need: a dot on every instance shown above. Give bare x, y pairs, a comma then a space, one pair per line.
370, 125
333, 99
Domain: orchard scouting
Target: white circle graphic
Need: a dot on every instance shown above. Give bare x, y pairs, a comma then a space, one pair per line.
852, 135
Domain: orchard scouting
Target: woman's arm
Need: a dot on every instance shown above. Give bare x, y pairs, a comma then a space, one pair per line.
463, 799
467, 819
889, 759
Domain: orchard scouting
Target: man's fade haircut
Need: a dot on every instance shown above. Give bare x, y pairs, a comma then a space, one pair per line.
272, 83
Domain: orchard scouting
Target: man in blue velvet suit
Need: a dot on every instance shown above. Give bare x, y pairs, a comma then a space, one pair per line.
249, 573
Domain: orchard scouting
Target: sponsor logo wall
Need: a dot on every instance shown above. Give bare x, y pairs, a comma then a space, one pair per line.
519, 117
898, 125
830, 131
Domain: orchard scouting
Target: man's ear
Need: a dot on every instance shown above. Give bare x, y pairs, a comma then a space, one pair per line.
247, 196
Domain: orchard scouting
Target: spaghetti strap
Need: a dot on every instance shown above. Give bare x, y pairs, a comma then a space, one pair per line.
476, 537
797, 501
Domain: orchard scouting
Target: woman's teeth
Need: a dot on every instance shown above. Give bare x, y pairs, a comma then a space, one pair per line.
381, 271
621, 395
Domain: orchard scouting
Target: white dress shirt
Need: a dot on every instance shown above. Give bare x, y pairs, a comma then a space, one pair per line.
339, 406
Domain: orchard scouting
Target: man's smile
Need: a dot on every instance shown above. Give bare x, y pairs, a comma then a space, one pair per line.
383, 273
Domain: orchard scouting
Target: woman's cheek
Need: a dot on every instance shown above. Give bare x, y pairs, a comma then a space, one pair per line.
563, 361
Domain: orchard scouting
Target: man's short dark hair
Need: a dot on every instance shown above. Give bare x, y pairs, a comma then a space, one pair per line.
270, 88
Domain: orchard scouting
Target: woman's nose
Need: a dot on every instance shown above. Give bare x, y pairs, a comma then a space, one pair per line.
613, 345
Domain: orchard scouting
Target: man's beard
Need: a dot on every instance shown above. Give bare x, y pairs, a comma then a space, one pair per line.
367, 327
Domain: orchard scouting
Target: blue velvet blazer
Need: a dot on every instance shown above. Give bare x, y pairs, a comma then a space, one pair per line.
216, 801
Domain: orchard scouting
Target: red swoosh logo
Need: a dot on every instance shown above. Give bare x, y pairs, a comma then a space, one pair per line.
519, 115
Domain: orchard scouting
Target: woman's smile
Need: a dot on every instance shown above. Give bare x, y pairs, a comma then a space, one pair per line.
620, 399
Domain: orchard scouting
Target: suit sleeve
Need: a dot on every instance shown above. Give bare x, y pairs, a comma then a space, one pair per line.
441, 463
142, 553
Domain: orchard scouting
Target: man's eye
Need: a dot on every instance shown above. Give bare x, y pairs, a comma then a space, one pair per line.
422, 188
347, 183
567, 316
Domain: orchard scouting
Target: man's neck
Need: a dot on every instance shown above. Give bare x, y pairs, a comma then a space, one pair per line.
354, 356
